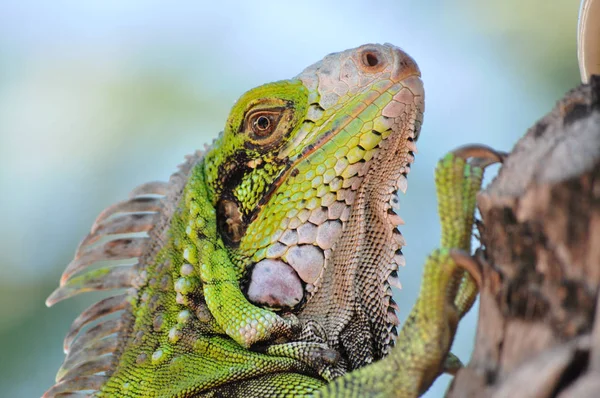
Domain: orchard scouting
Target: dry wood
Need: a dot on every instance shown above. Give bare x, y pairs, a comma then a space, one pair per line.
539, 325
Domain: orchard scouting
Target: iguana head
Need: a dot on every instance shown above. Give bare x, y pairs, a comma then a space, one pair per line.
304, 179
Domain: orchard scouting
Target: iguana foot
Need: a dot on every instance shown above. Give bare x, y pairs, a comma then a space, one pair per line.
324, 360
253, 325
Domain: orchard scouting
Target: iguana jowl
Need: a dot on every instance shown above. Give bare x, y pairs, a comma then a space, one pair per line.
269, 258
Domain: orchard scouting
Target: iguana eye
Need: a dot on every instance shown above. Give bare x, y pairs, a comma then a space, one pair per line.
263, 123
265, 127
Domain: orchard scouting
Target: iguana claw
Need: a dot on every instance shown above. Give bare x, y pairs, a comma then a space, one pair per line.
483, 156
452, 364
469, 263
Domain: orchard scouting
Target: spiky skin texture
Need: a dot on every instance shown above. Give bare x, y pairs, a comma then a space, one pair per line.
447, 293
305, 168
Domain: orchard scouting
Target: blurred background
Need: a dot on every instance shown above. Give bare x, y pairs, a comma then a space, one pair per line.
97, 97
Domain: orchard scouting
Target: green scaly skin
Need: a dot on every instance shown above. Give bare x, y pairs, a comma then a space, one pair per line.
190, 329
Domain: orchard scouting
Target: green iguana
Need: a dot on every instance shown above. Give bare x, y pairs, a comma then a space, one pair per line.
264, 266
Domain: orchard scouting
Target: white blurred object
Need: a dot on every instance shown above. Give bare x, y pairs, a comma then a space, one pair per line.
588, 39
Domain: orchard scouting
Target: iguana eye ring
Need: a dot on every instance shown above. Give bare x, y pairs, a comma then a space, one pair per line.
263, 123
266, 126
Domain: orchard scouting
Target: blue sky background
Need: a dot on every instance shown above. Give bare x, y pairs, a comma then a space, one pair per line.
97, 97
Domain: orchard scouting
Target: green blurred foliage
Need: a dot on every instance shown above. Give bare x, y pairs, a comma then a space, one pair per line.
98, 97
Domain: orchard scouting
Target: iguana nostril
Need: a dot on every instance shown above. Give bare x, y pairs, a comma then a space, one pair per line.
371, 59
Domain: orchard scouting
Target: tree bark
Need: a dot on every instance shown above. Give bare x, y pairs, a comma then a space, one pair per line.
539, 323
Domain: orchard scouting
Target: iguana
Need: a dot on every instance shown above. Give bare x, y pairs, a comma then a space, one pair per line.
264, 266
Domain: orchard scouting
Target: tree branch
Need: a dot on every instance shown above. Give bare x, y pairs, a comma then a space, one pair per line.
539, 325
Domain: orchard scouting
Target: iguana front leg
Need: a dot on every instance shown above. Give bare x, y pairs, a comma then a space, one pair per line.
241, 320
447, 292
244, 322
